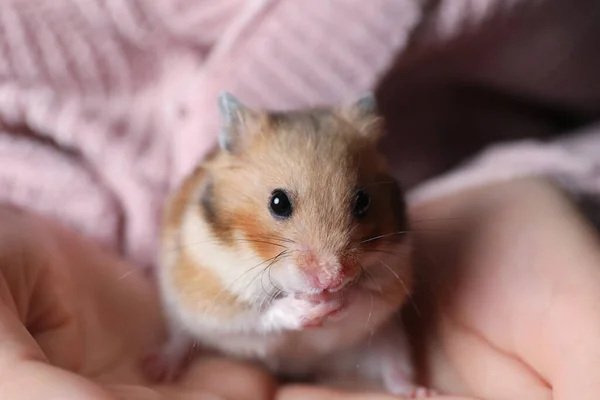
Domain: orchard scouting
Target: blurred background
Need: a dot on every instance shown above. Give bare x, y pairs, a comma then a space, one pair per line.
106, 104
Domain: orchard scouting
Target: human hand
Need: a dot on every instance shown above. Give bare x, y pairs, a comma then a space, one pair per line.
508, 300
75, 323
507, 309
511, 303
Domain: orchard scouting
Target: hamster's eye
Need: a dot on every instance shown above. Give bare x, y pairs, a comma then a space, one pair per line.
362, 201
280, 204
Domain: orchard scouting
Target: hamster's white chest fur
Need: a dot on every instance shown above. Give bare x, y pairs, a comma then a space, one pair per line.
297, 353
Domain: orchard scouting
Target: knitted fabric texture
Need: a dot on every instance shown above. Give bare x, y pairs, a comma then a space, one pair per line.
106, 104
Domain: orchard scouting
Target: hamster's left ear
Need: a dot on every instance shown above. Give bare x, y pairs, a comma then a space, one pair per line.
363, 115
367, 104
236, 122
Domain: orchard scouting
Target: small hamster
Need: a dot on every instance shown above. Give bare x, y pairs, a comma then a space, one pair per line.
288, 246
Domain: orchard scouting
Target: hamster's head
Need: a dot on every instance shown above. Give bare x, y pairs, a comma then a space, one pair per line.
303, 198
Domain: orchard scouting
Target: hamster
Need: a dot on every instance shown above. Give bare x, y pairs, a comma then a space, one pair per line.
289, 246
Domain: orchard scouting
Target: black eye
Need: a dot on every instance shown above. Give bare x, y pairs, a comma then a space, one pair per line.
362, 201
280, 204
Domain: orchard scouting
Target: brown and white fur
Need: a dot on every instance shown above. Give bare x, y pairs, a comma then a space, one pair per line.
312, 295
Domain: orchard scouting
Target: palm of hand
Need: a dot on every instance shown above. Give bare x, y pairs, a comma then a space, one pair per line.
89, 314
509, 305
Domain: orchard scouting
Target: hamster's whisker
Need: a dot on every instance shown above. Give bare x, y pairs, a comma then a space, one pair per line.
382, 236
195, 243
374, 281
130, 272
228, 287
370, 312
275, 237
267, 261
363, 273
268, 270
270, 262
262, 241
391, 270
267, 300
263, 300
404, 232
408, 293
262, 285
258, 265
393, 253
271, 281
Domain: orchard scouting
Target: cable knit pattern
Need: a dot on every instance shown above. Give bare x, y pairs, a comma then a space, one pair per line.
106, 104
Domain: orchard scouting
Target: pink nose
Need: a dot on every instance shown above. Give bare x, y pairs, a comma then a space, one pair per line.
328, 282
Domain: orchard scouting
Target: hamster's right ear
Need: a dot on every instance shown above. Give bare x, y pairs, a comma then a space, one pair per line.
236, 121
363, 114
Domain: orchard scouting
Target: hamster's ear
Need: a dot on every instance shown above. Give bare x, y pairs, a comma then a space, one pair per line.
366, 104
363, 115
236, 121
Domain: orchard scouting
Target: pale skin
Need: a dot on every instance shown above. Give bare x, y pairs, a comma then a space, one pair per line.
518, 274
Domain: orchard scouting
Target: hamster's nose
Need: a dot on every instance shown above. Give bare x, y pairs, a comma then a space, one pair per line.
324, 272
328, 281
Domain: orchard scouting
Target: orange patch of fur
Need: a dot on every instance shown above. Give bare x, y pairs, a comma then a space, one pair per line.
178, 203
213, 299
258, 236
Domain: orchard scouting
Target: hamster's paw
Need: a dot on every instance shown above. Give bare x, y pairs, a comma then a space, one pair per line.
297, 313
403, 387
397, 372
421, 392
316, 313
399, 384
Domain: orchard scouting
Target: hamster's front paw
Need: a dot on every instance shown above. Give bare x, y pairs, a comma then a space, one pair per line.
403, 387
421, 392
300, 313
397, 380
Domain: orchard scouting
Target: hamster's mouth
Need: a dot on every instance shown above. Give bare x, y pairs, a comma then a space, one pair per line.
356, 284
318, 297
349, 285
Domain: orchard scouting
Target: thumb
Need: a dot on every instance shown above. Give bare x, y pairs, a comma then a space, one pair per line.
24, 369
35, 307
301, 392
25, 373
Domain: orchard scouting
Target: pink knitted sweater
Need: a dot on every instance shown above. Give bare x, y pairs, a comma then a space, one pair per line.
106, 104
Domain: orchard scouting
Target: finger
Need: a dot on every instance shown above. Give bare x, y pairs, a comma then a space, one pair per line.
24, 369
17, 276
34, 380
136, 392
30, 273
530, 285
302, 392
230, 380
569, 350
16, 345
543, 274
25, 373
